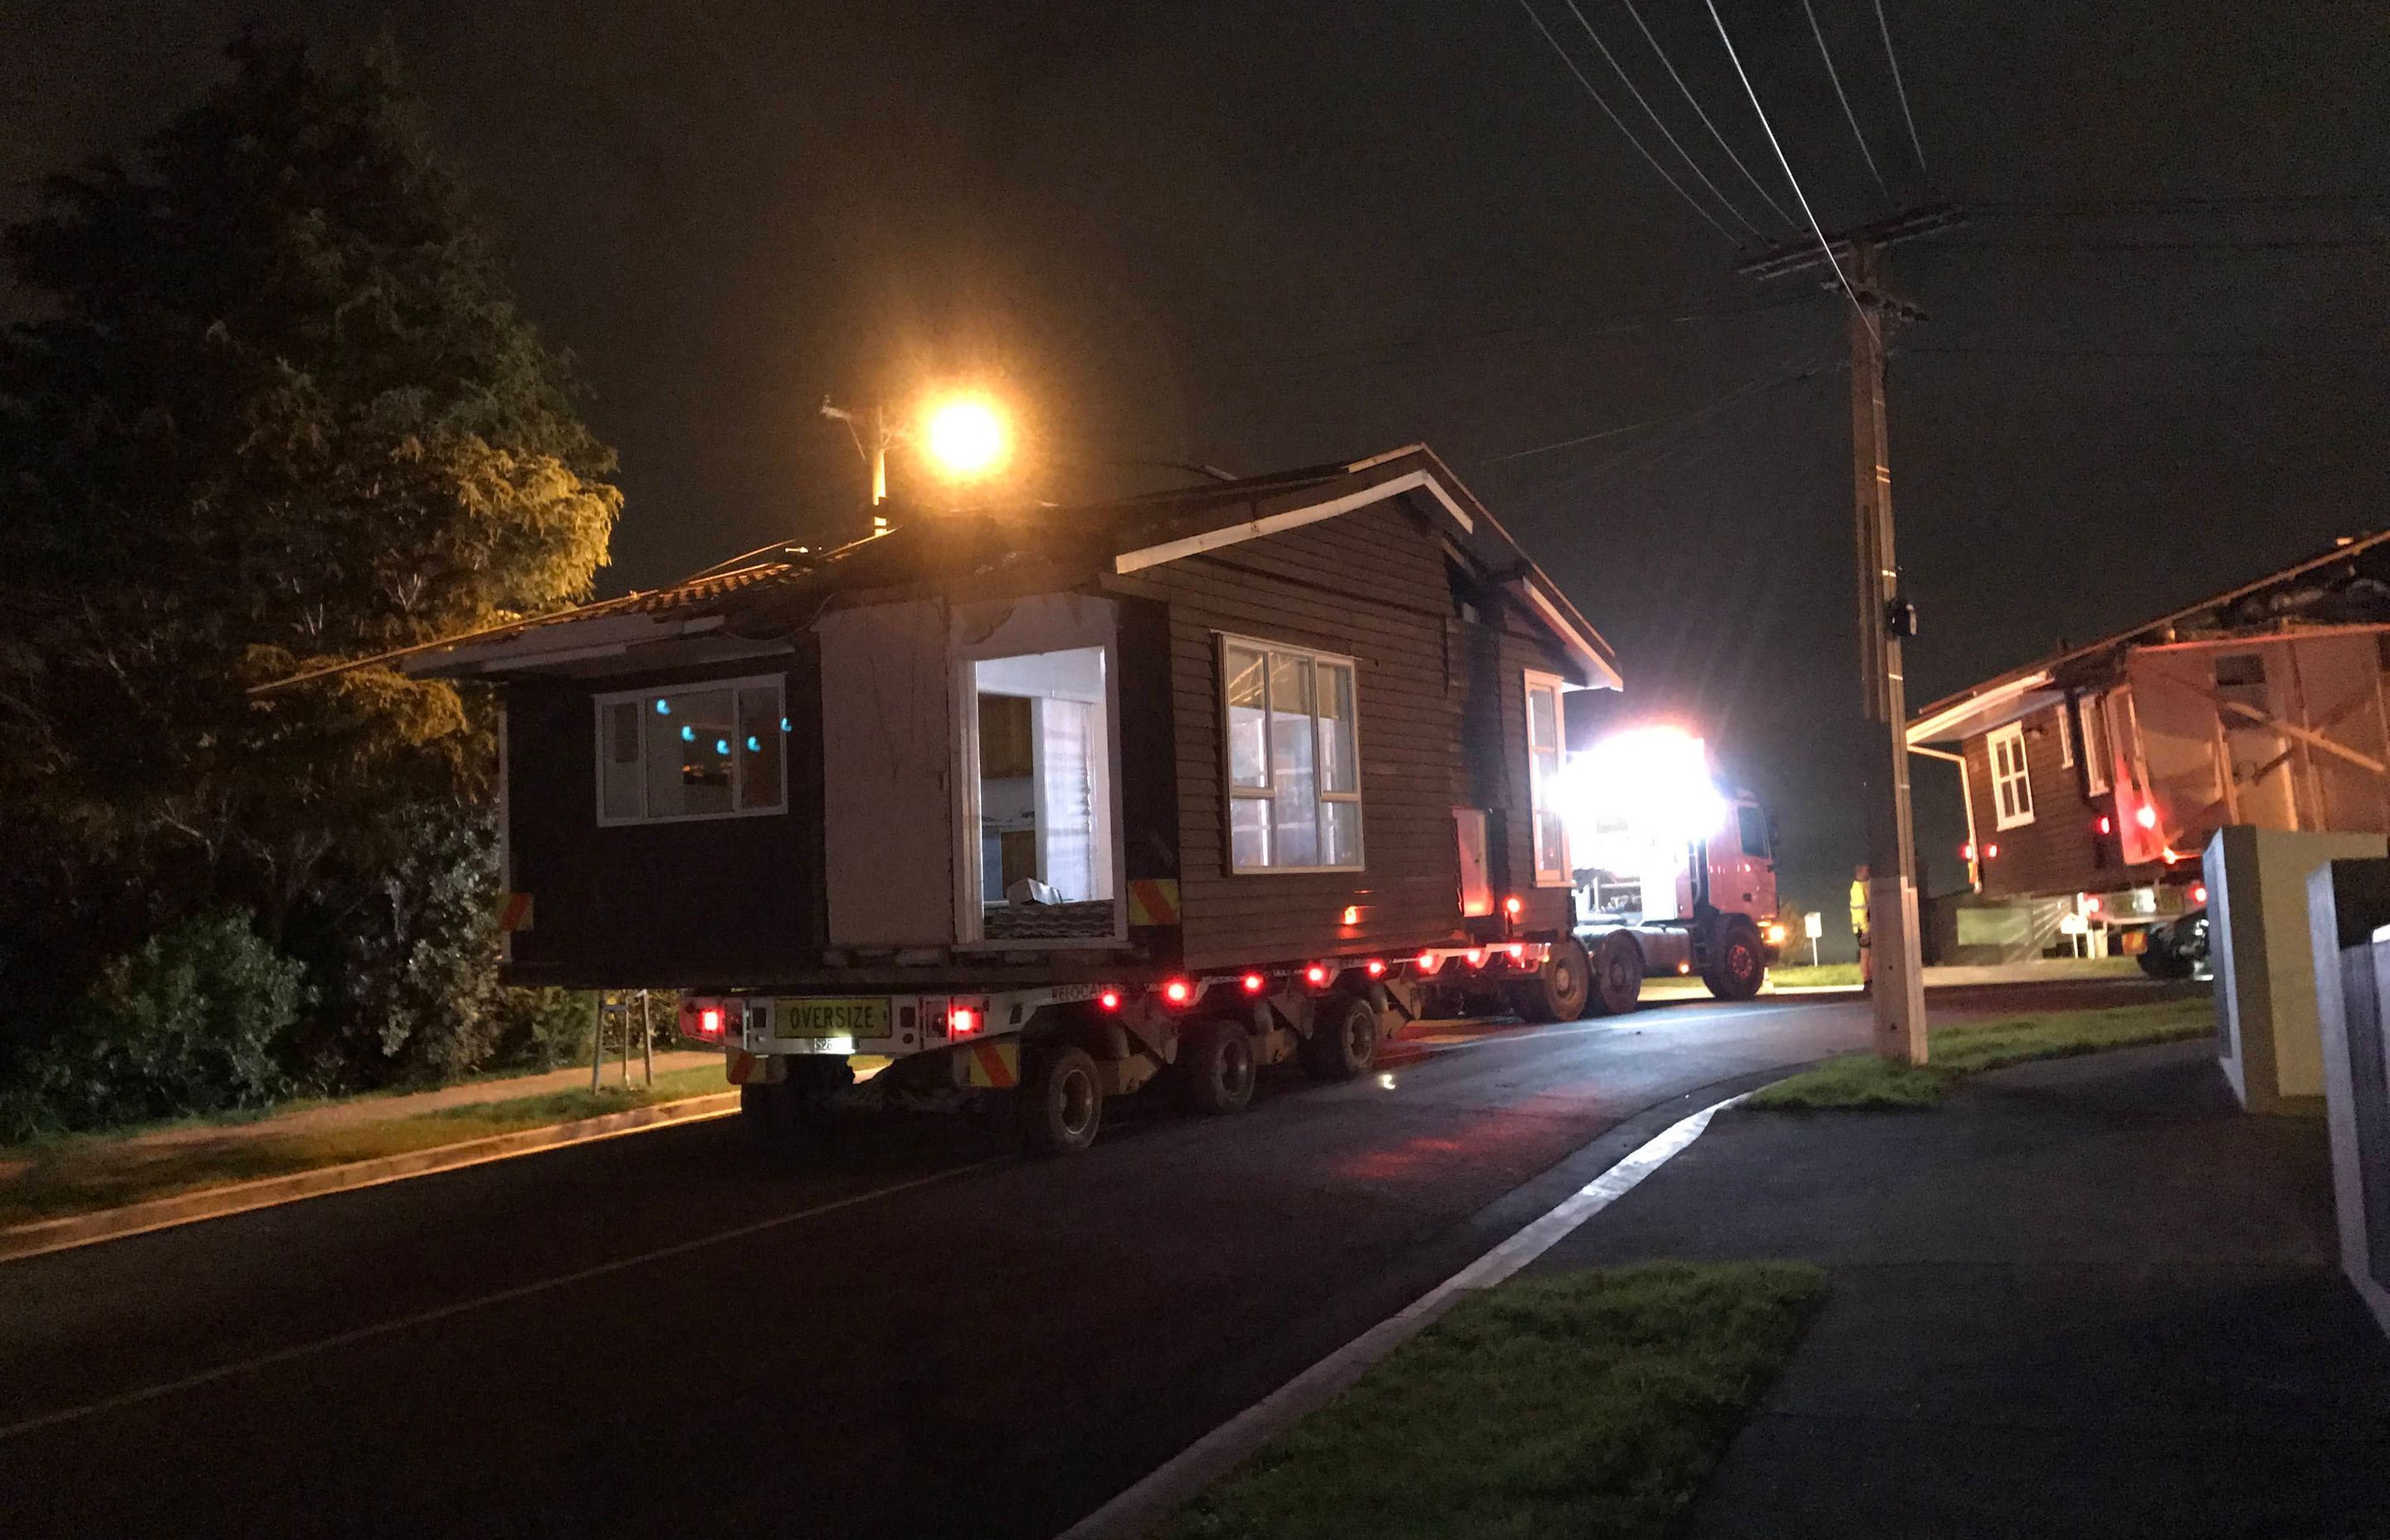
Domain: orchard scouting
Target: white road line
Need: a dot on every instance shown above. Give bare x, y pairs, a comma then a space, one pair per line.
426, 1317
1211, 1457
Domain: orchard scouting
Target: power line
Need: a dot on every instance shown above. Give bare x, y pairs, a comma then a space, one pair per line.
1692, 102
2100, 208
1848, 116
2250, 243
1621, 124
1892, 58
1629, 84
2027, 351
1823, 244
1749, 388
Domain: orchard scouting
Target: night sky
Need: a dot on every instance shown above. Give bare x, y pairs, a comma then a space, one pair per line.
1259, 236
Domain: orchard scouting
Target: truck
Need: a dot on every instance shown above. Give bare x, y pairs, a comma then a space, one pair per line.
1061, 802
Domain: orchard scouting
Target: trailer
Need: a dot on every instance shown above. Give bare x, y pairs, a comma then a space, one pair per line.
1059, 803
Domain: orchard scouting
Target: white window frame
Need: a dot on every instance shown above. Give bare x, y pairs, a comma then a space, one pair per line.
2094, 710
2009, 812
2066, 736
646, 699
1233, 793
1531, 682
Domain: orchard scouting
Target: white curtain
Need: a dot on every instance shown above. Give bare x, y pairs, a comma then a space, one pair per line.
1066, 816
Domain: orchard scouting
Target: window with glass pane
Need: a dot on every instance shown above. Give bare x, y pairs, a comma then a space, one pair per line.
1544, 777
1293, 758
702, 753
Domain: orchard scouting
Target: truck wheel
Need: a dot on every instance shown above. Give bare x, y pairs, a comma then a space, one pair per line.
1061, 1101
1216, 1066
1343, 1041
1560, 989
1741, 965
1617, 976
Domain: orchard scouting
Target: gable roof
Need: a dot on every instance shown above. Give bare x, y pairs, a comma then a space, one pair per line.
744, 606
2349, 584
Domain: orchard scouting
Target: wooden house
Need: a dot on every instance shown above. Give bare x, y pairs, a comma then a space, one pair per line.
2094, 779
1306, 715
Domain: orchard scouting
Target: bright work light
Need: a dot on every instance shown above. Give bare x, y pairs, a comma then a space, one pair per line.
965, 437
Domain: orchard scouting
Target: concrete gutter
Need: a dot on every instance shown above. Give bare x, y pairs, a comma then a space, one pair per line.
158, 1213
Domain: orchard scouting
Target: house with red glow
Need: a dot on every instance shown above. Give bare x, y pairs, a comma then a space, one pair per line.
2094, 777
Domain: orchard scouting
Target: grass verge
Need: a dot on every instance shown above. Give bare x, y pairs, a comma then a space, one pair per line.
79, 1175
1863, 1080
1845, 975
1589, 1404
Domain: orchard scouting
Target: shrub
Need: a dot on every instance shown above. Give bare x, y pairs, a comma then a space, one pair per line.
188, 1022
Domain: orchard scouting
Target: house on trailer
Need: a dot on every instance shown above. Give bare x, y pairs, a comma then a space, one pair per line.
2094, 779
1313, 716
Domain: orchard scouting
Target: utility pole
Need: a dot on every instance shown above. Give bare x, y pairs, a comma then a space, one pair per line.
876, 453
1851, 260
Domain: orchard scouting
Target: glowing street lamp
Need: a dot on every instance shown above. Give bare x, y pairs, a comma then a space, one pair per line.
962, 437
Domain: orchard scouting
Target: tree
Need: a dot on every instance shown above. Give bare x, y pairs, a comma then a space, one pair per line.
278, 407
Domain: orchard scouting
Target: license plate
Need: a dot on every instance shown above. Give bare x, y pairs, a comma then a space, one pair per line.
834, 1018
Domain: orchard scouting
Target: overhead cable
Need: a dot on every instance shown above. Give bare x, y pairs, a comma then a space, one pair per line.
1694, 103
1627, 81
1848, 116
1620, 123
1894, 60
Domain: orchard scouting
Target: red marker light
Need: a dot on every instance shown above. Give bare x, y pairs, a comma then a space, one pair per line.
1476, 956
1992, 853
2107, 825
1967, 851
2198, 893
1517, 951
1178, 992
1513, 906
1428, 962
2146, 816
1316, 975
1109, 999
963, 1022
1375, 968
1351, 914
2091, 904
709, 1023
1254, 984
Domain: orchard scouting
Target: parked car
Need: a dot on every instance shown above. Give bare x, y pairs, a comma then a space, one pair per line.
2178, 948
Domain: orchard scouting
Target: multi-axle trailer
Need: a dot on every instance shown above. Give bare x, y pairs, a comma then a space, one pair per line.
1063, 799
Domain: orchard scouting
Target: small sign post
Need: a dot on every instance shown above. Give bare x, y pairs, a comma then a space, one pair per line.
1813, 925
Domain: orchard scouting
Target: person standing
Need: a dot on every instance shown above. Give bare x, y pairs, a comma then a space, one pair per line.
1859, 927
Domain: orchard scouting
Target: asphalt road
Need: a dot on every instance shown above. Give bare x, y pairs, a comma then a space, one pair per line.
928, 1334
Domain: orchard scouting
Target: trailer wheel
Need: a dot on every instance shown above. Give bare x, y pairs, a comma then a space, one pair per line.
1061, 1101
1617, 975
1215, 1067
1559, 990
1343, 1041
1741, 965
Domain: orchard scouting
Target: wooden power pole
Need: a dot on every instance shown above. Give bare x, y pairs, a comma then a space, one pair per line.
1850, 261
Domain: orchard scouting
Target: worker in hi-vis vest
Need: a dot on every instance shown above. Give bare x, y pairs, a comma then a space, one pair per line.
1859, 927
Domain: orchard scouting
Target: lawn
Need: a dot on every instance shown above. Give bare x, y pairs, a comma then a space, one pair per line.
76, 1176
1864, 1080
1588, 1404
1842, 975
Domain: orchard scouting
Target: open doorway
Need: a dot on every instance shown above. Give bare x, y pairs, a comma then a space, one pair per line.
1042, 773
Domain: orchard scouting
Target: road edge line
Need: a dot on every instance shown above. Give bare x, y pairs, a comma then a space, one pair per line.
43, 1237
1193, 1470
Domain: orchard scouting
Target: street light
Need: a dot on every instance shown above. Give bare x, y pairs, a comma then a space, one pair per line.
962, 437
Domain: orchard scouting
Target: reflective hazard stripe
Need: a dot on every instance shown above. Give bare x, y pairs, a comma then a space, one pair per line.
741, 1066
514, 914
993, 1066
1153, 901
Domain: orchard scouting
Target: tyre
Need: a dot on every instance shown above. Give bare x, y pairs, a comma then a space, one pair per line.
1617, 977
1343, 1041
1740, 964
1061, 1101
2160, 960
1215, 1067
1561, 988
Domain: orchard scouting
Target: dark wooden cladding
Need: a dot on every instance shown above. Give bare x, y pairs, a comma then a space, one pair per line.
697, 903
1371, 586
2061, 851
